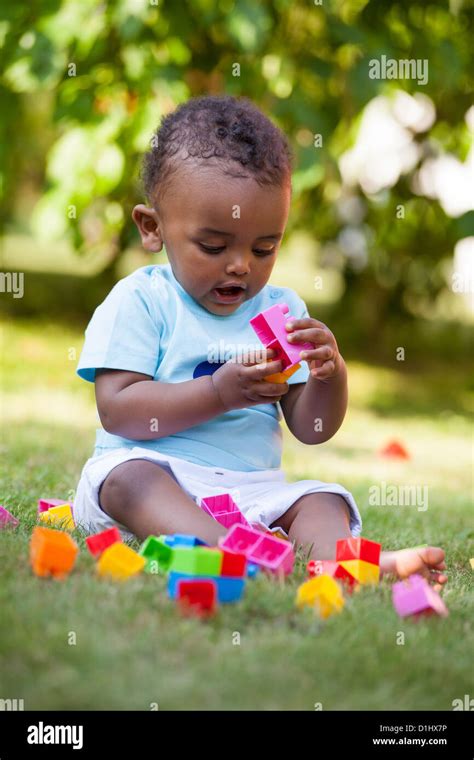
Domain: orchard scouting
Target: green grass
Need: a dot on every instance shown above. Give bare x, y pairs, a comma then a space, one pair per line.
133, 649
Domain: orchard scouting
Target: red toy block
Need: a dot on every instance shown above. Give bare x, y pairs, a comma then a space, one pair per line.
233, 565
98, 543
198, 597
45, 504
7, 520
358, 548
334, 569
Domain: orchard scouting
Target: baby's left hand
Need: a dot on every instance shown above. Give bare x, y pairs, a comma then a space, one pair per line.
324, 360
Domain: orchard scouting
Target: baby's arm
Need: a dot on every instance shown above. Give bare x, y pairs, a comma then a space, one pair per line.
135, 406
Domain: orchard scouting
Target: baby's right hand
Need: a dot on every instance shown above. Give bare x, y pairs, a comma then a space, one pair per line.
241, 384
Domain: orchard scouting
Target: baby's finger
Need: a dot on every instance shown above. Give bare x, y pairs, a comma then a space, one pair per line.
322, 373
271, 390
323, 352
259, 371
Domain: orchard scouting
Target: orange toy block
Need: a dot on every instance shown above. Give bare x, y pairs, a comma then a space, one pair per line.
394, 450
120, 562
282, 377
363, 572
61, 516
52, 552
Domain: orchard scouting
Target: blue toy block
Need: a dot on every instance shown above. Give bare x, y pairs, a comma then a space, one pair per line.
228, 589
252, 569
182, 539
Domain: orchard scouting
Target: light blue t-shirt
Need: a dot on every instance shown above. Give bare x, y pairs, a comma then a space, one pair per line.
149, 324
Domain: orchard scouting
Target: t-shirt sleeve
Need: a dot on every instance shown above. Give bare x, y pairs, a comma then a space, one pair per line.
122, 334
298, 309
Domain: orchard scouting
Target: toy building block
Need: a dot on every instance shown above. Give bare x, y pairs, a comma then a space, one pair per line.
273, 554
228, 589
7, 520
321, 592
252, 569
415, 596
197, 596
201, 560
182, 539
223, 509
157, 554
99, 542
240, 539
60, 516
120, 562
471, 562
358, 548
363, 572
333, 569
282, 377
270, 328
261, 548
45, 504
233, 565
52, 552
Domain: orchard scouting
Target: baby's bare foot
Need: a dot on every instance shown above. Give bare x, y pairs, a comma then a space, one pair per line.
427, 561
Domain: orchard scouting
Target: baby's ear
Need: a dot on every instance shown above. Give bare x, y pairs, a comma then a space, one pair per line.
149, 228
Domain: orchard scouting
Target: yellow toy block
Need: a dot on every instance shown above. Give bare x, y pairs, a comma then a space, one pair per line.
120, 562
282, 377
323, 593
60, 516
364, 572
471, 562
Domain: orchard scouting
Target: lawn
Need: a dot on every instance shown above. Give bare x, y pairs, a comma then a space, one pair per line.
133, 651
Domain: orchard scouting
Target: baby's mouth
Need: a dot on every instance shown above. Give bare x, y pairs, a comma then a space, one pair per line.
229, 294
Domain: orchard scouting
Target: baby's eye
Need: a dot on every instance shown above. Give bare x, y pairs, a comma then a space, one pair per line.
265, 252
210, 249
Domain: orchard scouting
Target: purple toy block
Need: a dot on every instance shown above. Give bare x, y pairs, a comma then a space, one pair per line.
223, 509
45, 504
415, 596
270, 328
260, 548
7, 520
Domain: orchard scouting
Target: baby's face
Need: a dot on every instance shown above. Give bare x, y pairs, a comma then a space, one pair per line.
219, 230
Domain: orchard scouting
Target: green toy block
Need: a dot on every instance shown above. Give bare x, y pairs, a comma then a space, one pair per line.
157, 554
198, 561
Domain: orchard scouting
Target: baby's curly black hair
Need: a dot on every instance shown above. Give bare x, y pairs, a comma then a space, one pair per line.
232, 130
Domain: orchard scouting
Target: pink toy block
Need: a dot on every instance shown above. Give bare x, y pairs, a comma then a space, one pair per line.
240, 539
45, 504
223, 509
270, 328
416, 597
7, 520
358, 548
270, 553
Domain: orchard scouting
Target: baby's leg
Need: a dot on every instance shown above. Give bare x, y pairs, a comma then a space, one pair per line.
316, 522
148, 501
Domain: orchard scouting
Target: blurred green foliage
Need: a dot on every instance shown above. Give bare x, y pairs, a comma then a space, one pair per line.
84, 85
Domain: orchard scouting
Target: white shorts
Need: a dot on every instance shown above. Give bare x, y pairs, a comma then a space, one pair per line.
262, 495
